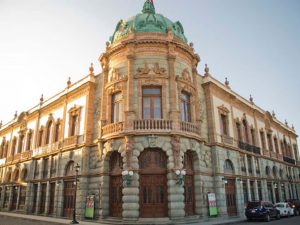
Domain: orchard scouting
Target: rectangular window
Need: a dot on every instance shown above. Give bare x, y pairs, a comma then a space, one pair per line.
224, 127
262, 139
74, 119
46, 168
257, 166
116, 111
276, 145
238, 130
152, 103
29, 140
56, 135
269, 137
253, 136
185, 107
249, 161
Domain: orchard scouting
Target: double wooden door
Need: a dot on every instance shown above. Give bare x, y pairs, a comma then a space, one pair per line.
116, 185
231, 197
69, 198
153, 184
51, 199
14, 198
189, 192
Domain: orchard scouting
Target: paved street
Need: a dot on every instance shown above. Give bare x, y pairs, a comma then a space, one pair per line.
7, 220
289, 221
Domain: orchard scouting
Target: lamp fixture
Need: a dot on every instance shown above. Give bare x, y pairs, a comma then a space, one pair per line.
180, 176
127, 177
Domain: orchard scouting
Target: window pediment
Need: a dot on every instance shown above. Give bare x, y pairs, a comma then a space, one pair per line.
223, 110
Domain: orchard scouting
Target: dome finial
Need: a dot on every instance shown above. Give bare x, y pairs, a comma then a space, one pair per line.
149, 7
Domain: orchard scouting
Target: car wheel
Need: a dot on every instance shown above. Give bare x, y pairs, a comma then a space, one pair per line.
278, 216
267, 218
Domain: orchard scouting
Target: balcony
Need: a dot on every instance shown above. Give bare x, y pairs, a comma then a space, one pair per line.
152, 125
17, 157
227, 140
26, 155
289, 160
47, 149
249, 148
113, 128
189, 127
73, 141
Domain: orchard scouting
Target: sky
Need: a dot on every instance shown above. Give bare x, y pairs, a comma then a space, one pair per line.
255, 43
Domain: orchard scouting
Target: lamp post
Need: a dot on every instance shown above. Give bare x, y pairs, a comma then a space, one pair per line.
74, 221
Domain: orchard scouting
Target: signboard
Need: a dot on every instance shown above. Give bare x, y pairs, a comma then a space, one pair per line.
212, 204
90, 206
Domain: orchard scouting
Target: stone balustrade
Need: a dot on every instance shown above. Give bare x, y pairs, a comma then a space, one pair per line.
152, 124
113, 128
189, 127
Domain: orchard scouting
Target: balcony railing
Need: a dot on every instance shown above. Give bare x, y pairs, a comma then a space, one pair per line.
149, 125
289, 160
74, 140
26, 155
189, 127
249, 148
113, 128
46, 149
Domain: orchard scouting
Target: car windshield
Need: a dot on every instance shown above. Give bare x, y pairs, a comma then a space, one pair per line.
252, 205
280, 205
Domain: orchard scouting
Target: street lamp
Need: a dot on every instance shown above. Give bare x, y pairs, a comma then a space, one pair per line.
74, 221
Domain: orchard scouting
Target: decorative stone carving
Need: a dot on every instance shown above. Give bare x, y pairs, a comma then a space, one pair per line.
186, 75
158, 70
223, 109
152, 141
143, 71
115, 75
175, 142
129, 143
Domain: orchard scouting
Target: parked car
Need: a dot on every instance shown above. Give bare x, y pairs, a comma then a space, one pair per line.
295, 204
261, 210
285, 209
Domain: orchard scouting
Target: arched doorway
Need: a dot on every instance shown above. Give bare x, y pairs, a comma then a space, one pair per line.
115, 185
230, 190
189, 191
153, 183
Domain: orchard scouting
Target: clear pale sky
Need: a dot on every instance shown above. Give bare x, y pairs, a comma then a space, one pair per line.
255, 43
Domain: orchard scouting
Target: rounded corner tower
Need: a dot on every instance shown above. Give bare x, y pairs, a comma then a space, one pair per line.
150, 114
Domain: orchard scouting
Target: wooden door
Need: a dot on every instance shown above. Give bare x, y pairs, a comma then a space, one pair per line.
189, 191
116, 185
51, 199
35, 188
69, 198
230, 197
14, 198
43, 198
153, 184
22, 197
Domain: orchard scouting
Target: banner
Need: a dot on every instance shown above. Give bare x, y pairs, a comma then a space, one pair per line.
90, 206
212, 204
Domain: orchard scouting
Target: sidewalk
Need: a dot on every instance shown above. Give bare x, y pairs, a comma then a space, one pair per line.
60, 221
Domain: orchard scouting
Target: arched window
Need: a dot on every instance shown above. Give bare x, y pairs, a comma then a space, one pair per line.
41, 134
57, 131
20, 144
48, 132
8, 177
268, 171
24, 175
16, 175
29, 140
228, 167
70, 171
13, 146
274, 171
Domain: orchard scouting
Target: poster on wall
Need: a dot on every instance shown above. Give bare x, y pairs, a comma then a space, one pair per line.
90, 206
212, 204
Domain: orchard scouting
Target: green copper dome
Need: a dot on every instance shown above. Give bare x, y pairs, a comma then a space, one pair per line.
147, 22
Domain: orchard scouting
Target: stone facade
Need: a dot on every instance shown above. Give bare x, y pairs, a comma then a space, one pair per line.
149, 123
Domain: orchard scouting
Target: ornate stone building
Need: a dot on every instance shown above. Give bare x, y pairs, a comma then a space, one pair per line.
151, 135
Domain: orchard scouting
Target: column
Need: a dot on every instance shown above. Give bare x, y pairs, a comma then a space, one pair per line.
256, 196
47, 198
173, 95
130, 115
